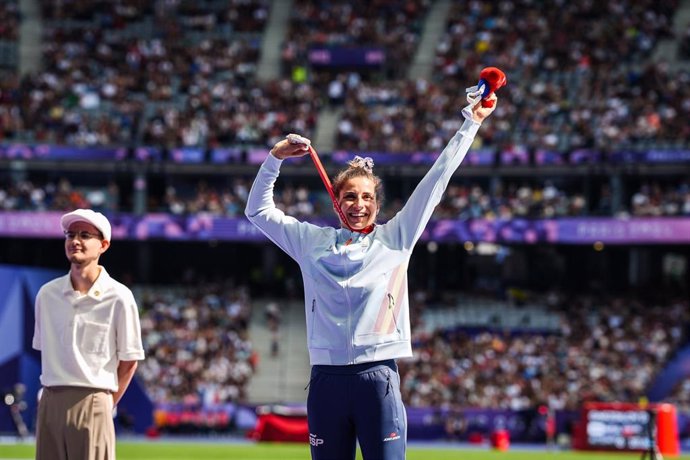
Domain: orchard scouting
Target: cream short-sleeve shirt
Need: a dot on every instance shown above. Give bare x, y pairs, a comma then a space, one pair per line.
82, 338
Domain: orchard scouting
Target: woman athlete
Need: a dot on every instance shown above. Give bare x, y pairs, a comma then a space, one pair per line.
355, 291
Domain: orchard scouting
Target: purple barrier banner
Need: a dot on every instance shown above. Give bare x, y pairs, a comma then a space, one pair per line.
548, 157
665, 156
468, 424
341, 157
475, 157
188, 155
220, 155
346, 56
652, 156
60, 152
655, 230
625, 231
226, 155
64, 152
585, 156
30, 224
494, 231
516, 155
203, 227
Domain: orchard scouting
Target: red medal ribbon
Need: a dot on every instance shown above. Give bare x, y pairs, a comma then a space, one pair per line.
329, 188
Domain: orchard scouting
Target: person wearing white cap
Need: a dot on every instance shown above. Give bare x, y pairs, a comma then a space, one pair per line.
87, 330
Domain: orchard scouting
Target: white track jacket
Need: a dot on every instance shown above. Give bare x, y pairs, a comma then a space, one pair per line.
356, 299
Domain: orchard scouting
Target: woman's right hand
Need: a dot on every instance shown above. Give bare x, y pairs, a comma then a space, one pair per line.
286, 149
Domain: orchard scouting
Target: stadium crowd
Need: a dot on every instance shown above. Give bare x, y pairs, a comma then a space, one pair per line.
197, 347
393, 25
177, 74
606, 350
184, 74
680, 395
570, 85
469, 200
59, 195
9, 21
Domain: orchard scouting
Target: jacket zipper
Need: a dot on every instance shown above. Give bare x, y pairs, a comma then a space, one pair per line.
350, 345
313, 319
391, 307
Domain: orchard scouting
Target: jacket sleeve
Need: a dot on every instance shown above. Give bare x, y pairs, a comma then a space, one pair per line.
407, 226
285, 231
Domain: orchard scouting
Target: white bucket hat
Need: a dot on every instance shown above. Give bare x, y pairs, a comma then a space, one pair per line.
96, 219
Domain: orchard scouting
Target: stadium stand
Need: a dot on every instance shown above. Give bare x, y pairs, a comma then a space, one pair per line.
157, 113
9, 34
598, 80
599, 350
188, 360
530, 198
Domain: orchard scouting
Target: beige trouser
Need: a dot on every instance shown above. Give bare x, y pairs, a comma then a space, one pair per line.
75, 424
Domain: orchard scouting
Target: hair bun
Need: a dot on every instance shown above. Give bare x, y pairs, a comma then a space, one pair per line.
365, 163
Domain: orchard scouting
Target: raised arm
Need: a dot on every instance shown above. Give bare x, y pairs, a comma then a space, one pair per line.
407, 226
285, 231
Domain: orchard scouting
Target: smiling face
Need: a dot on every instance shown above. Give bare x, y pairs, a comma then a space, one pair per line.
357, 199
84, 244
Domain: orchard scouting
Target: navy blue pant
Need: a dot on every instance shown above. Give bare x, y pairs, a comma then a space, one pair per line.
361, 402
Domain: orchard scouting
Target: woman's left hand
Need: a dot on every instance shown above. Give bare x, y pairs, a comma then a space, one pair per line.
479, 112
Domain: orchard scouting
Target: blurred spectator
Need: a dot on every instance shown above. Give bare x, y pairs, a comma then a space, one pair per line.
534, 199
197, 345
273, 319
684, 46
60, 195
9, 21
394, 25
108, 81
177, 74
564, 91
606, 350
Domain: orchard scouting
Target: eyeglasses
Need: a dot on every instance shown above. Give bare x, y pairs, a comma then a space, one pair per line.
83, 235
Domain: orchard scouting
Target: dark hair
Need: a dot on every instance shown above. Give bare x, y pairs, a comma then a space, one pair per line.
359, 167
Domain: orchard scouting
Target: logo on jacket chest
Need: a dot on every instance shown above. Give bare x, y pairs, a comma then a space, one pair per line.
345, 247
